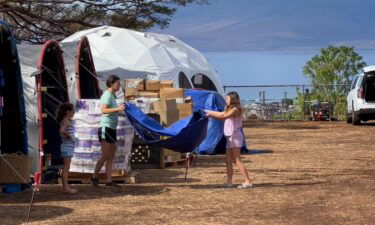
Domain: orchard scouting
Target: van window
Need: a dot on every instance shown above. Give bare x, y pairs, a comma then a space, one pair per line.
359, 81
354, 83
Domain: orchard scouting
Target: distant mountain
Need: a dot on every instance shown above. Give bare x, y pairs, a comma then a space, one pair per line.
240, 25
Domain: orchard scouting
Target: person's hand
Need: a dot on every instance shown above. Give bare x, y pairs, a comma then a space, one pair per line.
121, 108
66, 135
208, 113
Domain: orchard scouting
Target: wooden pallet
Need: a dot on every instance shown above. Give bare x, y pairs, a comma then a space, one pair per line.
117, 176
172, 164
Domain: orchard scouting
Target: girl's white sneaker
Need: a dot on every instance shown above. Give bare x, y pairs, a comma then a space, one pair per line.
245, 186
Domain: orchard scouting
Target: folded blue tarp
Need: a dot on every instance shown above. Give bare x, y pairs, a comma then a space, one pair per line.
184, 136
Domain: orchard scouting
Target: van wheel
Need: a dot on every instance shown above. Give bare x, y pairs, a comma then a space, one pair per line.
355, 119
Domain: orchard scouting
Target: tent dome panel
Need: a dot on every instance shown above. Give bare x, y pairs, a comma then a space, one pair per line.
132, 54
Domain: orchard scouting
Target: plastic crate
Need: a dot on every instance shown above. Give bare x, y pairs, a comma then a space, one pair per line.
145, 154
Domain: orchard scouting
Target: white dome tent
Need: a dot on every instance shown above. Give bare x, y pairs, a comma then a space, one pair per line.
132, 54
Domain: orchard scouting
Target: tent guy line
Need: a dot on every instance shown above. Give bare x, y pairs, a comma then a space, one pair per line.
73, 57
50, 73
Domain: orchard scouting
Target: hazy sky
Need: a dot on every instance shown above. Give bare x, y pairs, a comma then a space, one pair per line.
240, 25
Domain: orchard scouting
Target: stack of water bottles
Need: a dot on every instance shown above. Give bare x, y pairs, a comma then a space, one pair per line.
87, 149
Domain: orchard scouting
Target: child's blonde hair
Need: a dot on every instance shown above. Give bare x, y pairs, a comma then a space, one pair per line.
235, 102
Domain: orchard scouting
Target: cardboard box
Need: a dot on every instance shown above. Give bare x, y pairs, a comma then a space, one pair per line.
15, 169
166, 84
148, 94
172, 93
132, 86
168, 117
169, 104
170, 155
188, 100
141, 85
152, 85
186, 109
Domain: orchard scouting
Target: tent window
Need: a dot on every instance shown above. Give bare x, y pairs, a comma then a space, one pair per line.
203, 82
183, 81
12, 140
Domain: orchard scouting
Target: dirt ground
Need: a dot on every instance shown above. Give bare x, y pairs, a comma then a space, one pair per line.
310, 173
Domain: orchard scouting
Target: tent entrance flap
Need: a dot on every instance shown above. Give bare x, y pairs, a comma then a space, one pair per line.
87, 82
12, 117
202, 81
52, 93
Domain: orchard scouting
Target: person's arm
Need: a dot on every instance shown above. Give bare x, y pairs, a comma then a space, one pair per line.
222, 115
63, 127
105, 110
213, 113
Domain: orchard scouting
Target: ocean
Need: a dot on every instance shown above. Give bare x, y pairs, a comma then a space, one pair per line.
267, 68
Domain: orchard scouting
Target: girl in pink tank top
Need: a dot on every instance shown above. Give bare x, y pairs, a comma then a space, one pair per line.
232, 117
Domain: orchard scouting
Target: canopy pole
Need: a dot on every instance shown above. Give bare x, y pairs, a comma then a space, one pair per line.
187, 164
196, 157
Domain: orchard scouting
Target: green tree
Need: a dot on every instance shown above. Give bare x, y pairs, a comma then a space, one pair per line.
330, 74
36, 21
287, 101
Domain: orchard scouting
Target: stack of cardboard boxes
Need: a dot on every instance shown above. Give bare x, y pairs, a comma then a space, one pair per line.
170, 104
145, 88
168, 111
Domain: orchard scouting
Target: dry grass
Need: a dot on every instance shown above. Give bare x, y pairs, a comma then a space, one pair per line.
316, 173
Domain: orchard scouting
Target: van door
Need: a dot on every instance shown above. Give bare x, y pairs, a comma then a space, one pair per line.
352, 93
368, 88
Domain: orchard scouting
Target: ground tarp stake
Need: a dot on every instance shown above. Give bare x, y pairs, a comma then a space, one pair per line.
187, 164
31, 206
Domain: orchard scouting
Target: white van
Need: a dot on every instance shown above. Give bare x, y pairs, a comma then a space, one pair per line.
361, 98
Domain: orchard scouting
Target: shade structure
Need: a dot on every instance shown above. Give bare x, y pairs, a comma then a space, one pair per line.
13, 137
45, 88
82, 80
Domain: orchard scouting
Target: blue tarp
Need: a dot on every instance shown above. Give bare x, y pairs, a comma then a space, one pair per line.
210, 100
204, 136
214, 141
184, 136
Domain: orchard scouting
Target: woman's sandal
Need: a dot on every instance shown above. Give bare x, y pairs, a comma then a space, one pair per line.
94, 181
112, 184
